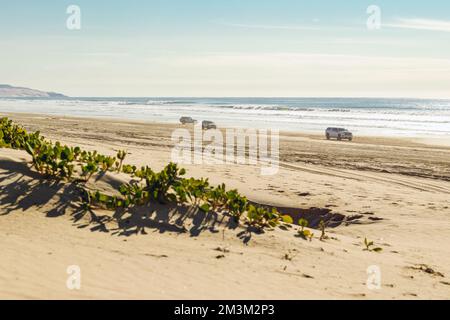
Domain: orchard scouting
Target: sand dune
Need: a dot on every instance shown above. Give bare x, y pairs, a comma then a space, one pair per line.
392, 191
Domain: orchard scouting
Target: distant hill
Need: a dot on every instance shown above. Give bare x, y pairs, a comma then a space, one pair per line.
7, 91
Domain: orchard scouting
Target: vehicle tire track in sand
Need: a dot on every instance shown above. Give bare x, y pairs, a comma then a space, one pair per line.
359, 176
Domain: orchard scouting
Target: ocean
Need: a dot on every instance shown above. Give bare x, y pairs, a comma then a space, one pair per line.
364, 116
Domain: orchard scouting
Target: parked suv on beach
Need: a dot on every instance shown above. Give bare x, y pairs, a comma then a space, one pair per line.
185, 120
208, 125
338, 133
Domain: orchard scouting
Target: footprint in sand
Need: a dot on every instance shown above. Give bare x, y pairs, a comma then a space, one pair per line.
410, 294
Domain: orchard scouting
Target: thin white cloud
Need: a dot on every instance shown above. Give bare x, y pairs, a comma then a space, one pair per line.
268, 27
420, 24
105, 54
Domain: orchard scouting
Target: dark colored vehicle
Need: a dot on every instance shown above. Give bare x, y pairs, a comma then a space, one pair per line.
208, 125
185, 120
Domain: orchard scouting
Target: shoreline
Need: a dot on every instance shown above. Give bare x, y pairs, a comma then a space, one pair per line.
434, 140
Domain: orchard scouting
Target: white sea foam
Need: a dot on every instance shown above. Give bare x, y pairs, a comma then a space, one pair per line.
405, 117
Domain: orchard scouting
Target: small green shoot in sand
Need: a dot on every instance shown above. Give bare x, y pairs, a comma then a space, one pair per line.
305, 234
369, 246
121, 154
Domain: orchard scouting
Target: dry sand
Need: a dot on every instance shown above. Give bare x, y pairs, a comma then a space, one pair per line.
392, 191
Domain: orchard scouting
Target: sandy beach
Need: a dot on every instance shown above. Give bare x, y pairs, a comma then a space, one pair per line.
393, 191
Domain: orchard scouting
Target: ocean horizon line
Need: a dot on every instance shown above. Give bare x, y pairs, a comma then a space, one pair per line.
230, 97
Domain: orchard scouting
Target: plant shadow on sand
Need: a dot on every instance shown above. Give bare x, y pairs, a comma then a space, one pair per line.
21, 189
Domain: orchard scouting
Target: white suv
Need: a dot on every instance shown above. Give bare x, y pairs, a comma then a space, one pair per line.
338, 133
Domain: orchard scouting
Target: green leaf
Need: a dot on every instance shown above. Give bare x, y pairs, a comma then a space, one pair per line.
287, 219
205, 207
307, 233
28, 148
303, 222
103, 198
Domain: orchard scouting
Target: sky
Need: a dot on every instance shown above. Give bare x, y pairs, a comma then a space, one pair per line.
228, 48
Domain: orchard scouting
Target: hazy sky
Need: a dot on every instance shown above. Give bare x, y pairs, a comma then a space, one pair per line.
227, 48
